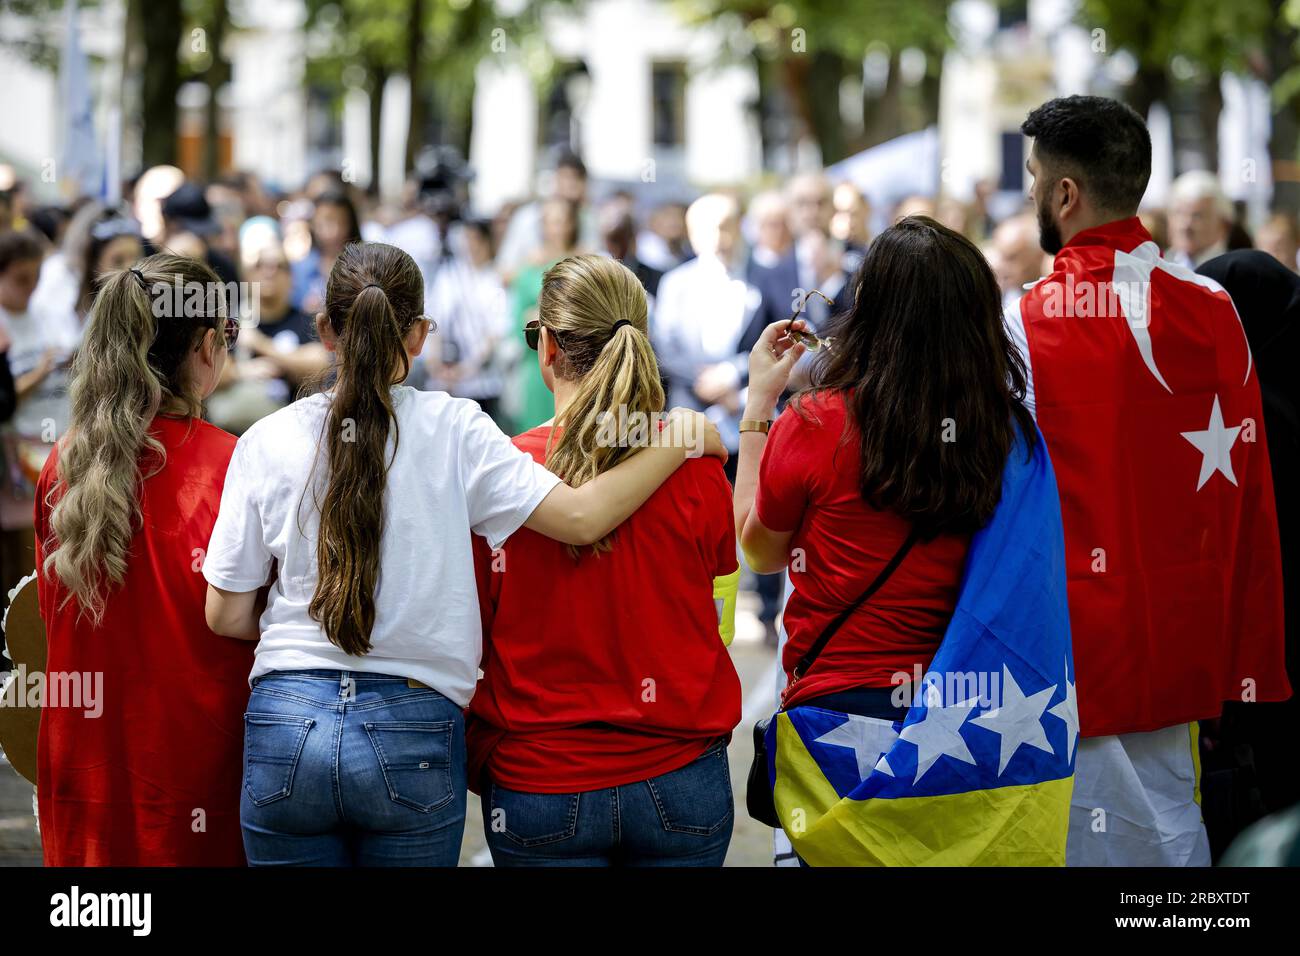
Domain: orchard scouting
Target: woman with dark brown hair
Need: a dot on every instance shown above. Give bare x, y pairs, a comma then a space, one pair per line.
906, 431
361, 502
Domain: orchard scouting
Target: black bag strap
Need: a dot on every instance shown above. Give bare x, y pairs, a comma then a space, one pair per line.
886, 572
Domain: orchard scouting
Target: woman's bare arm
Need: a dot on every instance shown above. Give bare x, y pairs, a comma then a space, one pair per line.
235, 613
584, 515
770, 362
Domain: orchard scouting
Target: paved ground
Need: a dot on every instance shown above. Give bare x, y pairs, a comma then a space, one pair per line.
19, 843
751, 843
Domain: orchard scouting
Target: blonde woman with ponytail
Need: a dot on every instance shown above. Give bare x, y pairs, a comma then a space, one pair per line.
363, 501
598, 733
139, 751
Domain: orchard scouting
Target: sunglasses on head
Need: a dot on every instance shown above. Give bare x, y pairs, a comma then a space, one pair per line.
533, 334
232, 333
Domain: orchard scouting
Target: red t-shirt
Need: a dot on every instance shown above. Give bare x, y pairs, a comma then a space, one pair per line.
606, 669
808, 484
154, 779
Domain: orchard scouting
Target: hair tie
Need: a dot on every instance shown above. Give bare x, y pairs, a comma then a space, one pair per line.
618, 325
144, 283
371, 285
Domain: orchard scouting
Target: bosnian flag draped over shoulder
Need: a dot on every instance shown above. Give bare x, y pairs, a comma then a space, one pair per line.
980, 771
1147, 395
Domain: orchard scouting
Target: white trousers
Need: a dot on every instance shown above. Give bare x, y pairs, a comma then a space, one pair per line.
1137, 800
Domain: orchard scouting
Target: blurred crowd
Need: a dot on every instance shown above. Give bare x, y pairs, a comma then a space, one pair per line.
717, 268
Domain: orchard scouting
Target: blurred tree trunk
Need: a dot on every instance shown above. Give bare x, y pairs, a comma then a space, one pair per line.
822, 89
415, 72
882, 116
931, 84
217, 76
160, 31
794, 76
1284, 138
1149, 86
1283, 145
377, 79
1209, 108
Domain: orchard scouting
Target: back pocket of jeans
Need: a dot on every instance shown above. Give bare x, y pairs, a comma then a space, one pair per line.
533, 819
697, 798
415, 757
272, 745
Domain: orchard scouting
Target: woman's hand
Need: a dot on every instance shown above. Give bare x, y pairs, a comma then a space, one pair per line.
694, 431
770, 363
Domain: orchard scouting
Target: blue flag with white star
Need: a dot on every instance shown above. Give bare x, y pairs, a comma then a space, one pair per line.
980, 771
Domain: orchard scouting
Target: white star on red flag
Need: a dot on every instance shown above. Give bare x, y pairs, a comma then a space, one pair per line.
1215, 445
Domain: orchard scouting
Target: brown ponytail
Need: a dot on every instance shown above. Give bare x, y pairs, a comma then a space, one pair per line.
374, 296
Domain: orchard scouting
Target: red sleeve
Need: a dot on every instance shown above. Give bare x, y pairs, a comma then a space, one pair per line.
782, 495
488, 563
717, 494
488, 585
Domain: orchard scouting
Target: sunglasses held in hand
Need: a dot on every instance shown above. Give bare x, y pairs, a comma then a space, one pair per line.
805, 338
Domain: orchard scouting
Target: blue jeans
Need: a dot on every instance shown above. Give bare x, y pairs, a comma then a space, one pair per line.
681, 818
350, 769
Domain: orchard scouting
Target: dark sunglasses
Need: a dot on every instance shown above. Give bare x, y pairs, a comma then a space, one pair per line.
533, 333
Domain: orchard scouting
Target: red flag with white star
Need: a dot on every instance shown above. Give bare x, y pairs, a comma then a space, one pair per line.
1146, 392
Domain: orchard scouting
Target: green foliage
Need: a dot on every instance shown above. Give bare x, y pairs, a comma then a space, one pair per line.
358, 42
373, 34
1211, 35
1286, 88
41, 44
808, 47
834, 26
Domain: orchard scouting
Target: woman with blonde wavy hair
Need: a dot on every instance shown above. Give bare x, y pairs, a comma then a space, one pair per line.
598, 732
139, 749
365, 499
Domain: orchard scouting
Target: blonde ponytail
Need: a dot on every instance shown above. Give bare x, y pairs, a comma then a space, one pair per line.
595, 308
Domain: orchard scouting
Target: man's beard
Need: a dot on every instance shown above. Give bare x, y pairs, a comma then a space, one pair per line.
1049, 233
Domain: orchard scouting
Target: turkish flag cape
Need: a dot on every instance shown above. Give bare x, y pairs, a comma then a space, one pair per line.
1147, 395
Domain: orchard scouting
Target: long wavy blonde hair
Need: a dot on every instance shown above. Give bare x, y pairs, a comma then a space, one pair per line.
130, 364
583, 298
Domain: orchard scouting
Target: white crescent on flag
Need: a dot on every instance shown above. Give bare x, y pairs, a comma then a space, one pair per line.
1132, 284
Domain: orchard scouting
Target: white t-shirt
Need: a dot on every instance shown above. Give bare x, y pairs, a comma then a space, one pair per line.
454, 473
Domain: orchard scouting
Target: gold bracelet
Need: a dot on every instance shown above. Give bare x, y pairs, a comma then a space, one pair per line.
755, 425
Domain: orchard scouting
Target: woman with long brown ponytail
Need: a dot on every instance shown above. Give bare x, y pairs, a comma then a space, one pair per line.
363, 500
139, 751
598, 734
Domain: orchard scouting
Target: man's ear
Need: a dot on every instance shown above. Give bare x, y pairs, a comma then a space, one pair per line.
1070, 198
325, 333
